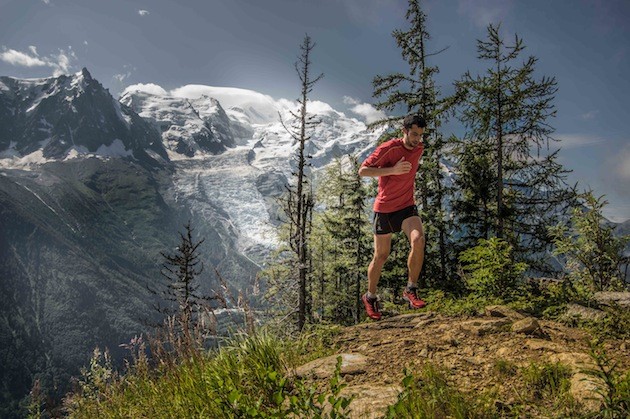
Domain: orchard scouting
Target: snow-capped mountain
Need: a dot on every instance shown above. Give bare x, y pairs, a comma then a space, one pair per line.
66, 117
246, 106
229, 148
92, 189
188, 127
243, 181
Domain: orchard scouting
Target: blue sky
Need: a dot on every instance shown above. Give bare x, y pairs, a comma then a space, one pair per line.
584, 44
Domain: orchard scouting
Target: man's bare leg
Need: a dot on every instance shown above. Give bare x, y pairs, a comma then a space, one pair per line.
382, 247
412, 227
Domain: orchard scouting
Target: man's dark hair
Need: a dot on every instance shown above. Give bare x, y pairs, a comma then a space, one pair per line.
414, 119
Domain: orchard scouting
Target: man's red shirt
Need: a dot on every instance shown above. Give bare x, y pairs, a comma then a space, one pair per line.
395, 192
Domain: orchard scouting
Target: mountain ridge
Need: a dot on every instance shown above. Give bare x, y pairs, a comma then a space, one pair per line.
40, 118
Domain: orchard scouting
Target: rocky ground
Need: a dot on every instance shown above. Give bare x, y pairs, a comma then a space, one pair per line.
470, 350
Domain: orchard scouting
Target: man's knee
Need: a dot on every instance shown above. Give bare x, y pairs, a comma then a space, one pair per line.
417, 241
381, 256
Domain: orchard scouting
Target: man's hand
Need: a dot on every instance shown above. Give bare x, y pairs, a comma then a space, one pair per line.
401, 167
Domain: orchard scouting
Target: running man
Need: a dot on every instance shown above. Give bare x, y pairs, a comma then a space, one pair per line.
395, 163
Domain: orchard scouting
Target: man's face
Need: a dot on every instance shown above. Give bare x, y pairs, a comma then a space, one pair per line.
413, 136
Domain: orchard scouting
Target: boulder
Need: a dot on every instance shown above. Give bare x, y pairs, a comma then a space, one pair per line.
351, 363
577, 361
610, 298
583, 386
371, 400
503, 311
585, 313
543, 345
527, 326
584, 390
481, 327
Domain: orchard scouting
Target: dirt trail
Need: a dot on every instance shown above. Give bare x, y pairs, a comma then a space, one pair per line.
466, 348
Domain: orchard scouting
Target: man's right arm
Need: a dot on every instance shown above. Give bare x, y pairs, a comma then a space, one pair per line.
376, 171
400, 168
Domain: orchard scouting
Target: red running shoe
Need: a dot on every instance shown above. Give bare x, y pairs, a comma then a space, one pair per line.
411, 296
371, 307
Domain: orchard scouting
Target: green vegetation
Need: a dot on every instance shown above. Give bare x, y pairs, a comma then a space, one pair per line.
247, 377
432, 396
615, 386
251, 376
490, 270
546, 380
505, 367
594, 256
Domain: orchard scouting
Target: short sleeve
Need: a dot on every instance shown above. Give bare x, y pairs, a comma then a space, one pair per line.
377, 158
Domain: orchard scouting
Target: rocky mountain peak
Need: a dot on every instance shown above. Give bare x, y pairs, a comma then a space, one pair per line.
65, 117
86, 74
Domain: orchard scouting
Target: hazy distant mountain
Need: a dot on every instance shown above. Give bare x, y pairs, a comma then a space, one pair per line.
623, 228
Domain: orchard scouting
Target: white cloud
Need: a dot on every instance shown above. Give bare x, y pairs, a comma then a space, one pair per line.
286, 104
150, 88
366, 110
264, 106
143, 12
128, 69
350, 101
18, 58
61, 62
121, 77
484, 12
85, 42
577, 140
588, 116
317, 107
46, 1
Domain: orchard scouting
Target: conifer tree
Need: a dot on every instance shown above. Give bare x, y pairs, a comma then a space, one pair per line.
324, 255
299, 198
508, 110
475, 204
332, 196
417, 92
346, 222
184, 306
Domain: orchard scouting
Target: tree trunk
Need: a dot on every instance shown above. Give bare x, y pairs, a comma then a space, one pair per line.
499, 130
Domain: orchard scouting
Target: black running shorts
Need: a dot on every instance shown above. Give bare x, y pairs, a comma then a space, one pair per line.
391, 222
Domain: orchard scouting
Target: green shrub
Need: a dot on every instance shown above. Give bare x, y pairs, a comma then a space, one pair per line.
615, 325
431, 396
594, 255
615, 388
452, 305
490, 270
504, 367
547, 380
